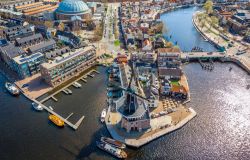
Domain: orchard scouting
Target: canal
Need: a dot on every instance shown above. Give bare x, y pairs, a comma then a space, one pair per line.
220, 131
179, 30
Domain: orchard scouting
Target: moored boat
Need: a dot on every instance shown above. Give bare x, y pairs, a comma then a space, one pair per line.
12, 89
113, 142
103, 115
37, 106
117, 152
56, 120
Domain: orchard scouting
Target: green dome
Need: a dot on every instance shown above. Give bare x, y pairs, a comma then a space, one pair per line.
72, 7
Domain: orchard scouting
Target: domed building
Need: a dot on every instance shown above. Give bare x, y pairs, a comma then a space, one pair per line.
72, 9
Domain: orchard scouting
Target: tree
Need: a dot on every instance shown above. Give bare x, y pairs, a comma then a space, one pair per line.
169, 44
208, 7
49, 24
214, 21
98, 33
61, 26
159, 28
165, 28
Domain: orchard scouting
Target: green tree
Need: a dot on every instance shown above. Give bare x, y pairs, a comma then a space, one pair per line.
169, 44
165, 28
214, 21
208, 7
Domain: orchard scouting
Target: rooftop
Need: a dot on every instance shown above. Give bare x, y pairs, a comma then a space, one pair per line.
42, 45
72, 7
65, 57
29, 38
11, 50
23, 59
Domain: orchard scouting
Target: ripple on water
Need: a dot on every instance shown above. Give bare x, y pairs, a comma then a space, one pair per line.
221, 128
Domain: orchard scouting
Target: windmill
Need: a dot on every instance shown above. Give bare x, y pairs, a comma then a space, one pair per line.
130, 105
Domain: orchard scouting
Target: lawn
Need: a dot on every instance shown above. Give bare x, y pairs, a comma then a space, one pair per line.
175, 82
117, 43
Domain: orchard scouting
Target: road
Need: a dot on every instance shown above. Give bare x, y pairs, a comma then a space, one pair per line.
106, 45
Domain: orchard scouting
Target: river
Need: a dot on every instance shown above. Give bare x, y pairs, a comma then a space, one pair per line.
220, 130
178, 25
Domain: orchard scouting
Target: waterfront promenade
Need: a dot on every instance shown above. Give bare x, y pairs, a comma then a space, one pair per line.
50, 110
148, 136
230, 55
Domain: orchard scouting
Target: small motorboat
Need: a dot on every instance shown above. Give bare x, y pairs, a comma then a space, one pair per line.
56, 120
113, 142
12, 89
37, 106
77, 85
230, 69
103, 115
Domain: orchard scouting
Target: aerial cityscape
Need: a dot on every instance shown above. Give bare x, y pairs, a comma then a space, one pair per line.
121, 79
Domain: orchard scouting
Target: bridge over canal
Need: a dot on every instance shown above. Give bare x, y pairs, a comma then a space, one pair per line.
202, 55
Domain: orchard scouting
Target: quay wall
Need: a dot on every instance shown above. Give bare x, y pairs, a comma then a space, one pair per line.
237, 61
226, 58
137, 142
203, 34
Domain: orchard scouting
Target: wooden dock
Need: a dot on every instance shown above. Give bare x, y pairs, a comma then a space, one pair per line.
83, 78
74, 126
96, 71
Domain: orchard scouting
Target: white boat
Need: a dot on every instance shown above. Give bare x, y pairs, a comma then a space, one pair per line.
117, 152
103, 115
113, 142
77, 85
37, 106
12, 88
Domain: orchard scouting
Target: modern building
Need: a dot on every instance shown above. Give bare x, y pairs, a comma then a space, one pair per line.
12, 33
35, 8
43, 46
57, 52
29, 40
26, 66
168, 58
68, 65
6, 13
69, 38
8, 51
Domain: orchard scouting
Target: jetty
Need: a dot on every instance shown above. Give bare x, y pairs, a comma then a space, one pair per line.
74, 126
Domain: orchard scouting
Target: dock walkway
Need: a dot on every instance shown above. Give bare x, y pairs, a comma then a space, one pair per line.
66, 87
74, 126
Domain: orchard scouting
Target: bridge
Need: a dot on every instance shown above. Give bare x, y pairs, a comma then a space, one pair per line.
202, 55
224, 57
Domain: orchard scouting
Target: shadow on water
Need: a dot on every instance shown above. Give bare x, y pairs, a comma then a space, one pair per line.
87, 150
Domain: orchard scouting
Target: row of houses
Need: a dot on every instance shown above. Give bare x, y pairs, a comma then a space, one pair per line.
140, 22
167, 62
235, 17
26, 51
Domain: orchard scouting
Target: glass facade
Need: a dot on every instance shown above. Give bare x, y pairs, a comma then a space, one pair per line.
71, 65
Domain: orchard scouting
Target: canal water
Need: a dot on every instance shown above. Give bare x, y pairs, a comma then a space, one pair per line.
220, 130
179, 30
